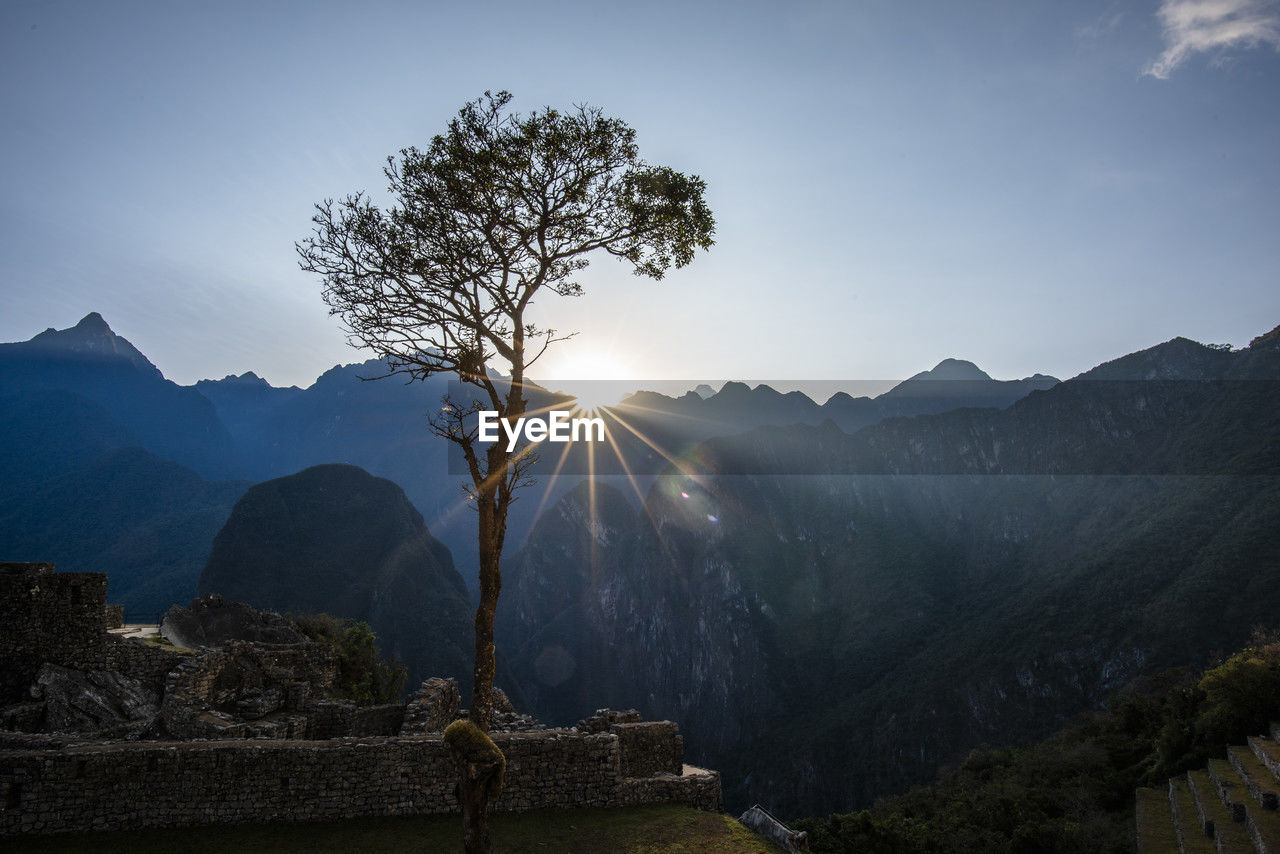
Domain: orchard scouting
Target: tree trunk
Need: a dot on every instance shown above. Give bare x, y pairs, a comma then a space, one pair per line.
473, 794
474, 780
485, 664
474, 797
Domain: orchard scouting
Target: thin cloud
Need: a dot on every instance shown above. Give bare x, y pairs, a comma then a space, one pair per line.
1203, 26
1102, 26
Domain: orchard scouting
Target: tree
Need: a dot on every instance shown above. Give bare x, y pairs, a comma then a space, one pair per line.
498, 209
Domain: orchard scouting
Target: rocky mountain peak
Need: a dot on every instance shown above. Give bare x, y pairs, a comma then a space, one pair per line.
1176, 359
962, 374
247, 380
952, 370
93, 338
94, 322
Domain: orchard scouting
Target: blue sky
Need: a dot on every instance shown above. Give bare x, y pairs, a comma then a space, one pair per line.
1033, 186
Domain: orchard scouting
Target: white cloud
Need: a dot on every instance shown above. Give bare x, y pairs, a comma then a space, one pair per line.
1202, 26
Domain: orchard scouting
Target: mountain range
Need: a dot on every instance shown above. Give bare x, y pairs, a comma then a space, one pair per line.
68, 397
932, 583
965, 561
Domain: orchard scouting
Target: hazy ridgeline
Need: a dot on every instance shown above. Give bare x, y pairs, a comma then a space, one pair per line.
940, 577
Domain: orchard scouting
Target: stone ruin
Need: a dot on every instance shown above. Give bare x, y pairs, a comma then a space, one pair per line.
48, 617
213, 621
99, 731
228, 671
762, 823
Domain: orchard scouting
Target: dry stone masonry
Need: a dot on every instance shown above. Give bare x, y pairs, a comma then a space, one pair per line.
175, 784
1229, 807
762, 823
212, 620
107, 733
432, 707
58, 618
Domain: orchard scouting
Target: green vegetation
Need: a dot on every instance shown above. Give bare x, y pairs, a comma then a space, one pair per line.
1074, 792
466, 739
1157, 834
363, 675
664, 829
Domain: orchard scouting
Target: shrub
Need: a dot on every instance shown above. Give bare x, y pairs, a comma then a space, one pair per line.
363, 675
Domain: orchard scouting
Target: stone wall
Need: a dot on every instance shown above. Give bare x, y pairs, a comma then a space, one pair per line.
696, 787
377, 720
213, 694
762, 823
649, 748
175, 784
256, 714
22, 717
52, 617
432, 707
149, 663
343, 718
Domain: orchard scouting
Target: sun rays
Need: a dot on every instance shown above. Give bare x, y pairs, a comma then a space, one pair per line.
630, 445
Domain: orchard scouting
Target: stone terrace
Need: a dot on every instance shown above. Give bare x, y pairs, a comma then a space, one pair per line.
1229, 807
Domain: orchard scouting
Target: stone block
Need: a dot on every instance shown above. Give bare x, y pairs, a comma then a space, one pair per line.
649, 748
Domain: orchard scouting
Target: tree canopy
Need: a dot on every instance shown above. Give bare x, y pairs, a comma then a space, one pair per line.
495, 210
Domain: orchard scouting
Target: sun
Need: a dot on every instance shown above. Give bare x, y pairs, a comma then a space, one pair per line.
595, 395
596, 379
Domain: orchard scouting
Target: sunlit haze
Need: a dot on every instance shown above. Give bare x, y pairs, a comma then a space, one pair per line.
1031, 187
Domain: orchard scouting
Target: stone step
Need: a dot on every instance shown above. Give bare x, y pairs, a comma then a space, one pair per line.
1264, 829
1152, 812
1257, 777
1275, 730
1268, 752
1231, 788
1191, 835
1217, 821
1262, 825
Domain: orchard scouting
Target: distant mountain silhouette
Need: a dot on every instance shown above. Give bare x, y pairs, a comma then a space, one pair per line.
1179, 359
351, 416
736, 407
951, 370
241, 402
959, 381
335, 539
651, 428
92, 362
96, 392
1177, 408
89, 340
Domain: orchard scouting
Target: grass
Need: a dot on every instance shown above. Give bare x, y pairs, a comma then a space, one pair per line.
1156, 832
664, 829
160, 641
